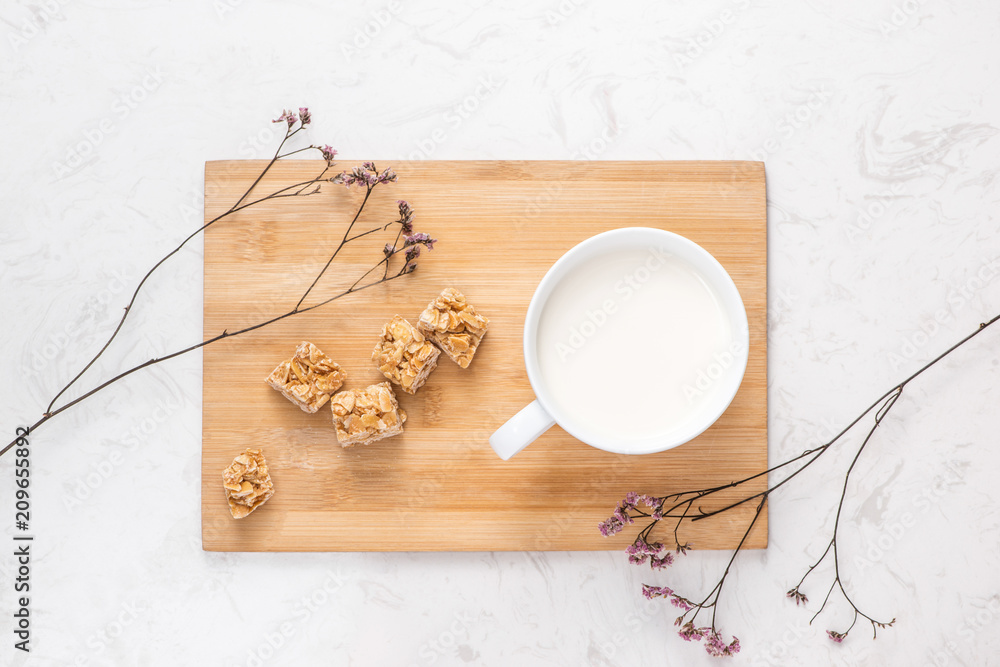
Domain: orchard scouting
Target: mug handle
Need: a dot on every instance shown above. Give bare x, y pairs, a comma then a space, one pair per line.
521, 430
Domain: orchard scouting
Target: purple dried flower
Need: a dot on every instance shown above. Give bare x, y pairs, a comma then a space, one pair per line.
618, 520
405, 217
641, 546
650, 501
366, 174
641, 550
799, 598
681, 603
689, 632
716, 647
611, 526
650, 592
362, 175
356, 175
305, 116
623, 515
422, 239
286, 116
412, 253
633, 499
835, 636
347, 179
714, 644
389, 250
658, 563
328, 153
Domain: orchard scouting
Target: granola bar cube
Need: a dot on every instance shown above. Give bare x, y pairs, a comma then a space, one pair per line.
364, 416
404, 355
309, 378
247, 483
453, 323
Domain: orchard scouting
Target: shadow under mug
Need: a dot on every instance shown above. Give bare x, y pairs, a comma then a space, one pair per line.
544, 412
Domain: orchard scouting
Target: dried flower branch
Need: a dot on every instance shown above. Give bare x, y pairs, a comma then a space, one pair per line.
684, 506
366, 176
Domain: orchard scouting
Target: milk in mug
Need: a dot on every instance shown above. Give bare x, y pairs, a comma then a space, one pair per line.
633, 343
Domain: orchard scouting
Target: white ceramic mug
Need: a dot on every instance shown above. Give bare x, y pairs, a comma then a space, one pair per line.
546, 410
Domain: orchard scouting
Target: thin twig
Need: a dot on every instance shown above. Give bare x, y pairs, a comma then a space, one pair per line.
682, 502
128, 308
224, 334
300, 189
343, 242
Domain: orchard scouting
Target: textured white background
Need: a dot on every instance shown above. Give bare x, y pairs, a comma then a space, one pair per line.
878, 125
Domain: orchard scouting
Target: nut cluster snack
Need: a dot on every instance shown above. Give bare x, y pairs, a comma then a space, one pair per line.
247, 483
404, 355
309, 378
453, 323
364, 416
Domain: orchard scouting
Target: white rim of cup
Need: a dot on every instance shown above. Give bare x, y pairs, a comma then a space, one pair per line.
719, 280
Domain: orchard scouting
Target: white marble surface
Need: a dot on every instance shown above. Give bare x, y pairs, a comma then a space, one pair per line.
878, 125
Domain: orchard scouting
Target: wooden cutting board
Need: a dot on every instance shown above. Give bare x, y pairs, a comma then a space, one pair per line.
439, 486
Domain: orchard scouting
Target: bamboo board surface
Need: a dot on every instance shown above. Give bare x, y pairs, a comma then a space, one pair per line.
439, 486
